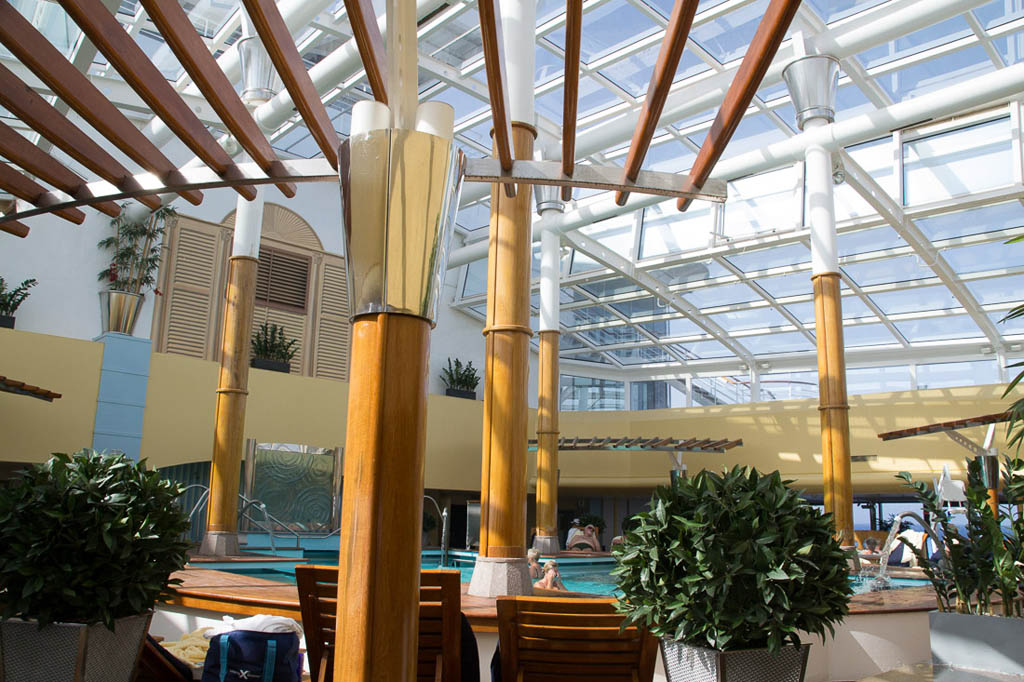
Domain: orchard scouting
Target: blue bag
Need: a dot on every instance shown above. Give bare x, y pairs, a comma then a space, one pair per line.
255, 656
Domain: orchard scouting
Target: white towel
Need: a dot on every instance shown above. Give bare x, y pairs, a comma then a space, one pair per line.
260, 623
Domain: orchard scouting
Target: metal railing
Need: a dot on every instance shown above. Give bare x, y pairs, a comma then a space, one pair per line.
444, 530
246, 504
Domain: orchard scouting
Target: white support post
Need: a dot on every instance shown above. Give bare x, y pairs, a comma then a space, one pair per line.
820, 205
402, 63
689, 390
519, 29
248, 225
755, 385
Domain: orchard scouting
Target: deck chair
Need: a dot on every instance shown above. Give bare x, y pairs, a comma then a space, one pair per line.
438, 659
553, 639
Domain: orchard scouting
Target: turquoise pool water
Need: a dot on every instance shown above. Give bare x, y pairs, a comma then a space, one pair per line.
591, 576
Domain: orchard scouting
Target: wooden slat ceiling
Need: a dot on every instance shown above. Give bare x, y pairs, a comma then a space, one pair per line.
946, 426
644, 444
8, 385
125, 55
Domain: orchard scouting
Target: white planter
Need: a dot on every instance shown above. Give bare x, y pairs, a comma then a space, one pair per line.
989, 643
71, 652
684, 663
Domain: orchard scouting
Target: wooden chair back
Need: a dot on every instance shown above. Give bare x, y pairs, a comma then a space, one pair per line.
549, 639
440, 628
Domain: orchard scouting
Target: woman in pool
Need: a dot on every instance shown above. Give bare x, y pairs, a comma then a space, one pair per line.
586, 541
552, 579
535, 568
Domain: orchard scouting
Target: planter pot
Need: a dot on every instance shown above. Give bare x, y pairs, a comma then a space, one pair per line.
685, 663
119, 310
7, 321
71, 652
272, 365
988, 643
459, 393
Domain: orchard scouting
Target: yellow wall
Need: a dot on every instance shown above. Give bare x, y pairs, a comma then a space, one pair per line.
31, 429
178, 424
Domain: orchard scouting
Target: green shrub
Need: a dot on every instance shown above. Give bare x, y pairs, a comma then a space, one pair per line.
460, 377
87, 538
10, 299
732, 561
270, 343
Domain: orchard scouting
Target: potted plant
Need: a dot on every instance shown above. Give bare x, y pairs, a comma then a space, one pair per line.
460, 380
10, 299
87, 544
271, 349
726, 569
977, 573
135, 257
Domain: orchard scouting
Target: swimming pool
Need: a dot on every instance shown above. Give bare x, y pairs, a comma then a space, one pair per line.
591, 575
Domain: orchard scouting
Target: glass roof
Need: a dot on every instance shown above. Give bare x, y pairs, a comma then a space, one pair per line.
738, 276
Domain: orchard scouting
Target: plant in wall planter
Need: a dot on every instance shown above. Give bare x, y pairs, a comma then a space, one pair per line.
977, 573
460, 380
87, 544
271, 349
10, 299
135, 250
726, 569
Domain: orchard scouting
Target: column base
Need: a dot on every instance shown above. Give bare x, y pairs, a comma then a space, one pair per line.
547, 545
220, 543
499, 576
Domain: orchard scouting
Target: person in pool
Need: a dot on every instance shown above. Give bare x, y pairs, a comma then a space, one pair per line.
536, 571
552, 579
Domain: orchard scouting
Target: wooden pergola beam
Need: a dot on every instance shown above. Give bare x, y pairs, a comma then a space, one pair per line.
278, 40
27, 189
672, 46
41, 116
19, 151
365, 30
179, 34
494, 64
941, 427
15, 228
33, 50
763, 47
571, 88
125, 55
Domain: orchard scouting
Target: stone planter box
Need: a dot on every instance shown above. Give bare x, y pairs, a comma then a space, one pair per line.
988, 643
459, 393
684, 663
272, 365
71, 652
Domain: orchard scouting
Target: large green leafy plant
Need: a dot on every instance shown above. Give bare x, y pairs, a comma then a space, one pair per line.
135, 249
10, 299
87, 538
732, 561
460, 377
983, 561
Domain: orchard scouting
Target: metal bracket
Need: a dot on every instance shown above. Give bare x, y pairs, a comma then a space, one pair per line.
966, 444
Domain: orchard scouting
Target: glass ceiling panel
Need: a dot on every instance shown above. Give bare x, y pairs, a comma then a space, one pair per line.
727, 37
639, 356
152, 43
52, 22
465, 104
834, 10
727, 294
974, 221
756, 131
702, 349
610, 287
581, 262
755, 318
609, 336
580, 316
476, 278
762, 203
666, 230
474, 216
998, 289
763, 259
569, 342
914, 300
785, 342
669, 157
633, 73
999, 12
689, 272
866, 241
643, 307
672, 329
607, 28
547, 64
867, 335
851, 101
587, 357
1009, 327
209, 16
933, 74
901, 269
939, 328
1011, 47
981, 257
787, 285
918, 41
592, 98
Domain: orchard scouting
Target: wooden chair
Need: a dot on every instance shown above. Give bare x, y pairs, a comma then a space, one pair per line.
552, 639
440, 630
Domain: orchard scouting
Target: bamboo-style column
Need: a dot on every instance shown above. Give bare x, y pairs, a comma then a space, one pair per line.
546, 540
501, 565
398, 189
221, 537
812, 82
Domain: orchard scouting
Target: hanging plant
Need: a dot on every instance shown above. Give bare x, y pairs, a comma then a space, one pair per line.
136, 246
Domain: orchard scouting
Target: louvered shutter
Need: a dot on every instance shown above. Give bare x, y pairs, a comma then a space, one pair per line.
283, 278
190, 322
332, 339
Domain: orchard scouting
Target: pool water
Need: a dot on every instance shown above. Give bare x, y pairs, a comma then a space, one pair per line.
590, 575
